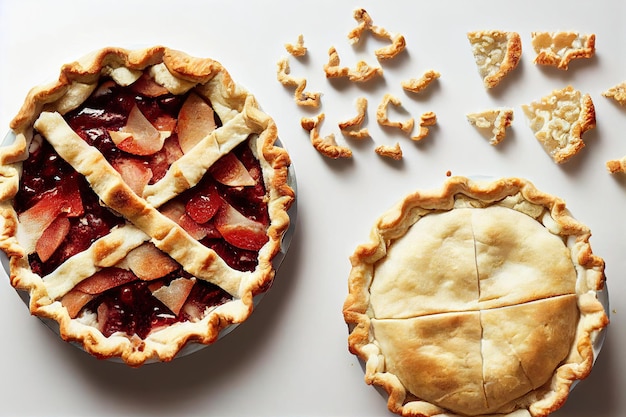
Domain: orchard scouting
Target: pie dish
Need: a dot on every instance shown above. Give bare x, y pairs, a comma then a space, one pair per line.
143, 201
476, 299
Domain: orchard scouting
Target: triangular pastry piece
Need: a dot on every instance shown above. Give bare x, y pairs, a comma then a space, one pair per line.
492, 123
496, 54
559, 120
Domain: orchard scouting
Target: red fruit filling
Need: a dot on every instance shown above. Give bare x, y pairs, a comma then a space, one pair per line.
204, 210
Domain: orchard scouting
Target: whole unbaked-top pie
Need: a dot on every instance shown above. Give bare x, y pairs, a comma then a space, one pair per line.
142, 202
476, 299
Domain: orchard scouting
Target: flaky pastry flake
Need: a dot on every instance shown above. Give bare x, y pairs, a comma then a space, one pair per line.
327, 145
496, 54
559, 120
301, 97
417, 85
615, 166
382, 118
352, 127
332, 68
365, 23
492, 123
393, 152
617, 93
297, 49
426, 119
558, 49
362, 71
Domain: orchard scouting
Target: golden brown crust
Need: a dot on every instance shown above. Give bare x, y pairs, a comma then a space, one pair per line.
496, 53
241, 117
558, 49
391, 311
559, 120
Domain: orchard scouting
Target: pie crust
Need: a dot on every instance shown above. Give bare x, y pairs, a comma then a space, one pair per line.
144, 227
479, 298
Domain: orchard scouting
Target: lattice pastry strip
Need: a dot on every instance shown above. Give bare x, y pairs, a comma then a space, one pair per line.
117, 195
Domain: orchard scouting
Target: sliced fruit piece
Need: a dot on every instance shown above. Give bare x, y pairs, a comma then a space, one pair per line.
175, 294
75, 300
145, 85
162, 160
196, 120
52, 237
34, 221
196, 230
164, 122
69, 193
136, 173
148, 262
175, 211
203, 205
138, 136
238, 230
229, 170
105, 279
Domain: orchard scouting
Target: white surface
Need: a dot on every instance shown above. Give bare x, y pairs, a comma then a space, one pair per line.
291, 357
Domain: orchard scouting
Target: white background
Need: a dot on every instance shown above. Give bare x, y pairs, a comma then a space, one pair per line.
291, 357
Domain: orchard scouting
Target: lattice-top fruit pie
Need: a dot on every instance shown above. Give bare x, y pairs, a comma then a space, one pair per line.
143, 201
478, 299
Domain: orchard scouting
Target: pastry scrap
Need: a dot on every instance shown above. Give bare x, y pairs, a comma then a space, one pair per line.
352, 127
327, 146
362, 71
297, 49
143, 202
302, 98
426, 120
492, 123
332, 68
365, 23
617, 93
615, 166
559, 120
383, 119
417, 85
480, 298
393, 152
557, 49
496, 54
